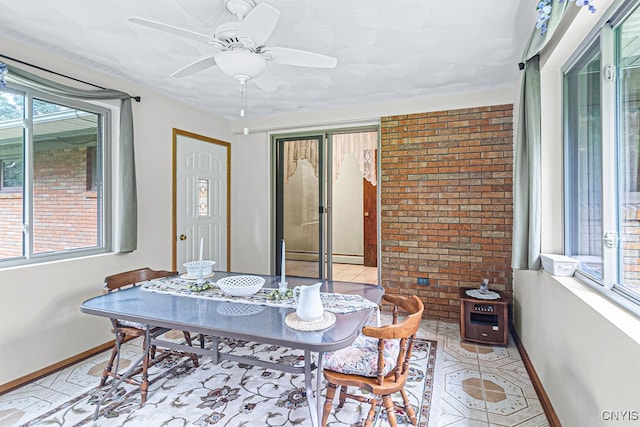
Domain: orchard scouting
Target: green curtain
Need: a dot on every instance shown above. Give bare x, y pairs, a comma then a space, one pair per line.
126, 224
527, 174
526, 180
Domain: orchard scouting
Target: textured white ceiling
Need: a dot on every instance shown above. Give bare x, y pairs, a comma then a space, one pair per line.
386, 50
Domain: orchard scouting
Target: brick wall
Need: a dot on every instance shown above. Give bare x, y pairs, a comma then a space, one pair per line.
631, 245
10, 224
446, 206
64, 211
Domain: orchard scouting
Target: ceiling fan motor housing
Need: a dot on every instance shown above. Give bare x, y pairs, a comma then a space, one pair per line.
227, 33
239, 8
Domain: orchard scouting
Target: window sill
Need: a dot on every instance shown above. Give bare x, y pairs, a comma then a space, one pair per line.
601, 300
10, 195
39, 261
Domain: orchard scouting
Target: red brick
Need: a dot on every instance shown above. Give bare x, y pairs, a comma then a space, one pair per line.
446, 197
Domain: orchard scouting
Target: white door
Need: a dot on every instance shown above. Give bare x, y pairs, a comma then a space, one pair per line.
201, 199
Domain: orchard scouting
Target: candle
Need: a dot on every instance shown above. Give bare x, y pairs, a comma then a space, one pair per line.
200, 256
282, 270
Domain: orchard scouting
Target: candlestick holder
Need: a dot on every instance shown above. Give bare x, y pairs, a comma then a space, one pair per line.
200, 280
282, 287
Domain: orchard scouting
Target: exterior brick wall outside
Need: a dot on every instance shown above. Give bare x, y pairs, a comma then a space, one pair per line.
10, 224
631, 247
446, 198
64, 211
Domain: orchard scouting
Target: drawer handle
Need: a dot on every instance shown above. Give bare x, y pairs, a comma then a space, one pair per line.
484, 334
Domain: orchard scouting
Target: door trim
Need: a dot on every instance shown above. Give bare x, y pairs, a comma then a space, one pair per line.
174, 227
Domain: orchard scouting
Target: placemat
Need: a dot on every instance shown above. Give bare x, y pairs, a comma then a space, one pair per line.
294, 322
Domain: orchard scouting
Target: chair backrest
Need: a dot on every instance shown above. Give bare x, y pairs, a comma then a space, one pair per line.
128, 278
405, 331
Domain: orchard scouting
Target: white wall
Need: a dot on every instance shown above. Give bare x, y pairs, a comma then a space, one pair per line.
40, 320
348, 219
584, 348
251, 219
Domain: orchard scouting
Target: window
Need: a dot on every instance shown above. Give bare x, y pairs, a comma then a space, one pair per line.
11, 174
584, 137
602, 133
52, 155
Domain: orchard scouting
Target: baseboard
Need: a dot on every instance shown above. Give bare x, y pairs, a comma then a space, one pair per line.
34, 376
545, 402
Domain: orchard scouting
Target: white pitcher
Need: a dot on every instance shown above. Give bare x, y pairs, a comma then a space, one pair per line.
308, 303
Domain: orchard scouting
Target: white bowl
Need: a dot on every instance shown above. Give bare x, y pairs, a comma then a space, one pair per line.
240, 285
193, 268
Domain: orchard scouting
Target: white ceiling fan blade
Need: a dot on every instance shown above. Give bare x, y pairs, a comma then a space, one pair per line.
265, 83
259, 23
194, 67
171, 29
301, 58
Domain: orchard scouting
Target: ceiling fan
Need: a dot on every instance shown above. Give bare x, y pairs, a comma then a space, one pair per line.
243, 53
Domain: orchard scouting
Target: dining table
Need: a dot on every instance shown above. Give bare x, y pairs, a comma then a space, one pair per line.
209, 314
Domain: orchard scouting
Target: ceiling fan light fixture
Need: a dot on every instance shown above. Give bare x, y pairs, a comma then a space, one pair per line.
240, 64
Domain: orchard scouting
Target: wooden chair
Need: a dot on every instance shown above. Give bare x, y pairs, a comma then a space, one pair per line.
378, 361
126, 330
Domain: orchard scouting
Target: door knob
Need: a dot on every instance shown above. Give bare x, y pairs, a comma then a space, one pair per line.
183, 237
366, 214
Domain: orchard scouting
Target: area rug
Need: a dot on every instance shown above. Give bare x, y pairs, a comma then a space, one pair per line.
231, 394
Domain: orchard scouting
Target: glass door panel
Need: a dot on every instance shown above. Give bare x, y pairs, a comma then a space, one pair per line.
300, 213
352, 200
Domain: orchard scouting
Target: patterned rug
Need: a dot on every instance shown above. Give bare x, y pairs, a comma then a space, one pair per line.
231, 394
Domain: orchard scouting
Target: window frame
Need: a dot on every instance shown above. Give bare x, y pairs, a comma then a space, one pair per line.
605, 37
104, 169
571, 208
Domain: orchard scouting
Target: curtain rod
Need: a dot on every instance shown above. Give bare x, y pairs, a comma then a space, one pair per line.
136, 98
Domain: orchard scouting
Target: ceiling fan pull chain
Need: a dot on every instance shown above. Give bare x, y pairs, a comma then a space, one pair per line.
243, 97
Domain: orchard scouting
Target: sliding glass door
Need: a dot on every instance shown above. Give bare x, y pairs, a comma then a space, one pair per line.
326, 202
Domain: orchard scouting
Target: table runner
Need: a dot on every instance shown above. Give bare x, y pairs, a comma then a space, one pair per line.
333, 302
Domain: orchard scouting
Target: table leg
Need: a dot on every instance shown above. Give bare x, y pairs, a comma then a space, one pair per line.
314, 398
215, 356
319, 376
311, 399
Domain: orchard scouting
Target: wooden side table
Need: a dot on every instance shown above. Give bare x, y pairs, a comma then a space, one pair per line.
483, 320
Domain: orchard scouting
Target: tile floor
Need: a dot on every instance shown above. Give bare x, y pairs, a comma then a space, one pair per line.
475, 385
341, 272
480, 385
